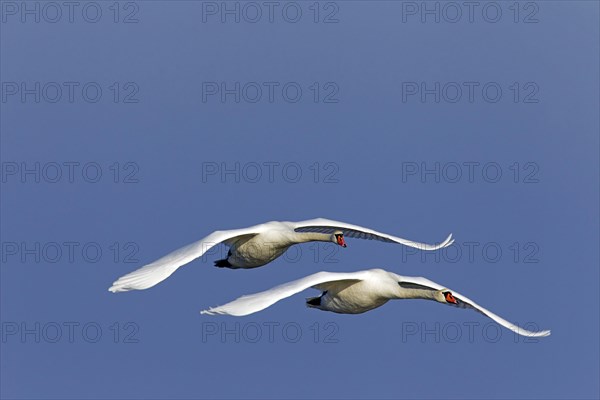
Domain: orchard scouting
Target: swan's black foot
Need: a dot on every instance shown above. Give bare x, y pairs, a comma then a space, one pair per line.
315, 301
223, 263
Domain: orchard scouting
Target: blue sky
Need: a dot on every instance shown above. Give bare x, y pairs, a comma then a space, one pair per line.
128, 131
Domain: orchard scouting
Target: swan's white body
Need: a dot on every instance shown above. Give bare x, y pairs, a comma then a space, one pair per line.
358, 292
256, 246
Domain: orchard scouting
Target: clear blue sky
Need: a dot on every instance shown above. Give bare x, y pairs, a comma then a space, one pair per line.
528, 239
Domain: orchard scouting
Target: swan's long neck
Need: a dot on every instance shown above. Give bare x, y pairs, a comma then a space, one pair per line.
403, 293
303, 237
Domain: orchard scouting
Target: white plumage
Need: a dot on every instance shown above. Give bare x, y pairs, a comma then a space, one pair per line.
256, 246
358, 292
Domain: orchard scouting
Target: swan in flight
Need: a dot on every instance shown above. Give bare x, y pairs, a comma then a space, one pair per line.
358, 292
256, 246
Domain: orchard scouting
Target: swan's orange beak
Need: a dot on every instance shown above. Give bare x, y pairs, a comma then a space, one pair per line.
450, 298
341, 241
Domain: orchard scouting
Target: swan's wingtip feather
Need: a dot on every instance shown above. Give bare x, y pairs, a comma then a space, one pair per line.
212, 311
118, 287
449, 240
115, 288
533, 334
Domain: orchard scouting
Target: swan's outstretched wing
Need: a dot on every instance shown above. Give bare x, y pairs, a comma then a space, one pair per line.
162, 268
323, 225
411, 282
259, 301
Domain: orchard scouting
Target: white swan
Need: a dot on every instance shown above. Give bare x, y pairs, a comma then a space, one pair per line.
256, 246
357, 292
